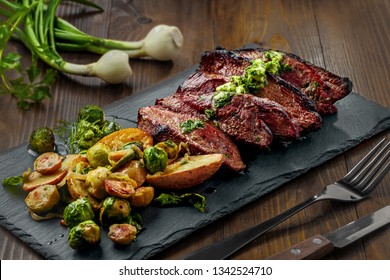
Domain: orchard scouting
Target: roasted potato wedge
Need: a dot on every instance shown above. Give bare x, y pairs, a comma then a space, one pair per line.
186, 172
117, 139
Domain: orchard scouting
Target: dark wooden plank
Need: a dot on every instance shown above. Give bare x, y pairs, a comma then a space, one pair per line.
348, 37
360, 51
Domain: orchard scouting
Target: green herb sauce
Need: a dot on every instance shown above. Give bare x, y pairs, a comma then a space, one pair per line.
253, 79
190, 125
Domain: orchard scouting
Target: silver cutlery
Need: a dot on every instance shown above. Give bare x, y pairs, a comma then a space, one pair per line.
320, 245
363, 178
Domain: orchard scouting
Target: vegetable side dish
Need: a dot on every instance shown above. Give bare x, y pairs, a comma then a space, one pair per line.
109, 175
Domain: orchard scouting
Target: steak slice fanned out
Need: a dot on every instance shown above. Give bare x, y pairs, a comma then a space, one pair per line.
321, 85
299, 106
202, 82
223, 62
245, 119
164, 124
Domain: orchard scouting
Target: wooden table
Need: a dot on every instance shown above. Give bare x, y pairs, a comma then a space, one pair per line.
350, 38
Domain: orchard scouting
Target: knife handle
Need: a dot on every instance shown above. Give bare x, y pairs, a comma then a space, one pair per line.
313, 248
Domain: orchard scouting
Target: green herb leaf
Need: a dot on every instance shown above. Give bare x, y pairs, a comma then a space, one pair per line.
173, 199
12, 181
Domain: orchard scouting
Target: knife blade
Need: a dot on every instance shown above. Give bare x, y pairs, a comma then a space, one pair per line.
321, 245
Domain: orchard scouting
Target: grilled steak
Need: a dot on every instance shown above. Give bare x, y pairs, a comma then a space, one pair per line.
246, 118
322, 86
164, 124
300, 108
289, 104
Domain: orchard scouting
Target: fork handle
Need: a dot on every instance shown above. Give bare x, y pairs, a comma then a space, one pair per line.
224, 248
313, 248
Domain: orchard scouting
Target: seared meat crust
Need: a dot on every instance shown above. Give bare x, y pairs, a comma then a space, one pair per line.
163, 124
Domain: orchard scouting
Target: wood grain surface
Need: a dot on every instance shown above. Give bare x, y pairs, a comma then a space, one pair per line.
350, 38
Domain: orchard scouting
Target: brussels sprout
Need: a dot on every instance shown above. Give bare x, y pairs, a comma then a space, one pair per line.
114, 210
89, 134
136, 146
142, 197
135, 170
155, 159
97, 155
92, 114
170, 148
42, 140
110, 127
78, 211
131, 145
95, 182
122, 234
120, 185
42, 199
84, 234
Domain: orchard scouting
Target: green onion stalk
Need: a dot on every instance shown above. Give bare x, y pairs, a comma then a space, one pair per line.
43, 33
163, 42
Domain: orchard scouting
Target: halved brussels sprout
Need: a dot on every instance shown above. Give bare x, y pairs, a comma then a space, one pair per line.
78, 211
170, 148
95, 182
114, 210
84, 234
155, 159
122, 234
120, 185
97, 155
142, 197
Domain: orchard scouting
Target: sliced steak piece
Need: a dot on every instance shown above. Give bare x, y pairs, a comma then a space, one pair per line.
321, 85
223, 62
245, 119
164, 124
298, 105
246, 114
202, 82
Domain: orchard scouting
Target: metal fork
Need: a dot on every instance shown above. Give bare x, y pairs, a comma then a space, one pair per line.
354, 186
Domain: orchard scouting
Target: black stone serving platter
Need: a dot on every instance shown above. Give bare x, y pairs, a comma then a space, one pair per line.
357, 119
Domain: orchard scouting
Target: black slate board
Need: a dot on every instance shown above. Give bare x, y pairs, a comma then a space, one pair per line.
357, 119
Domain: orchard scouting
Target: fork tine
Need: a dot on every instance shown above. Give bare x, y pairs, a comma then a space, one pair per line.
373, 184
379, 162
362, 163
367, 170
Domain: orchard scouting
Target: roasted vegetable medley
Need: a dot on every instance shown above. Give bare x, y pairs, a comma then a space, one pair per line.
105, 185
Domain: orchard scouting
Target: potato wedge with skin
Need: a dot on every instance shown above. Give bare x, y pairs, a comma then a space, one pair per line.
117, 139
187, 172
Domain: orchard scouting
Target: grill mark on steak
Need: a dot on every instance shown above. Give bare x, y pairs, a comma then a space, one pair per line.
321, 85
163, 124
300, 107
245, 119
